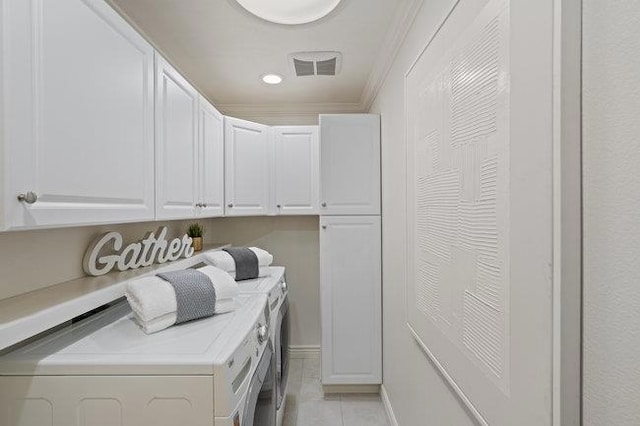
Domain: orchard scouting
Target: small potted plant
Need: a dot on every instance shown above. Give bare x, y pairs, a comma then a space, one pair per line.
195, 231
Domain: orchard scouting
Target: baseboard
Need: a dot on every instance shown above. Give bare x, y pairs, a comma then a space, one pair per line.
387, 406
351, 388
304, 351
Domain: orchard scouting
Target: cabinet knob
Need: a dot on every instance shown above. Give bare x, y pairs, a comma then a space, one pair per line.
198, 205
204, 205
230, 205
278, 206
263, 333
324, 226
29, 198
324, 204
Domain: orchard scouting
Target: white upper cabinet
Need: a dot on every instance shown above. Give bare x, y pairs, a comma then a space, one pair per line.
176, 144
350, 164
248, 158
296, 169
211, 161
77, 136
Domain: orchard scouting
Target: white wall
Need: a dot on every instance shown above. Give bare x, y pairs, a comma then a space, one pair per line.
31, 260
294, 243
418, 394
611, 161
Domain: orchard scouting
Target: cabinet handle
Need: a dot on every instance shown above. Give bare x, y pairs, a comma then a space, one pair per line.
29, 198
324, 204
230, 205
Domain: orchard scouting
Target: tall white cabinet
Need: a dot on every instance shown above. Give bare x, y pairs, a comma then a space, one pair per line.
77, 118
350, 250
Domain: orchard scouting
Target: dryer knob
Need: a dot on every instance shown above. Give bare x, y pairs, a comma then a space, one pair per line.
262, 333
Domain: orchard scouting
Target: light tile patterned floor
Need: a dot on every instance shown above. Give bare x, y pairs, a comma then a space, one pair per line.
308, 406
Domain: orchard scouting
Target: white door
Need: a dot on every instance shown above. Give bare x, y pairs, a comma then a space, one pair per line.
296, 169
350, 294
349, 164
211, 161
247, 168
78, 115
176, 144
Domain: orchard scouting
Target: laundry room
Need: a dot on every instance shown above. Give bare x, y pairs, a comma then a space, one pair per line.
319, 212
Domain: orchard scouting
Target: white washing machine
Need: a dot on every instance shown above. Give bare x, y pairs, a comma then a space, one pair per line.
104, 371
275, 286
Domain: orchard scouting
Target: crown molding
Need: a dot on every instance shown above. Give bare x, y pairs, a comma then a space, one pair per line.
393, 40
287, 113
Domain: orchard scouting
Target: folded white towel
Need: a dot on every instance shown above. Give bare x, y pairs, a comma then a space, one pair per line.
224, 261
225, 288
167, 320
151, 297
263, 271
153, 300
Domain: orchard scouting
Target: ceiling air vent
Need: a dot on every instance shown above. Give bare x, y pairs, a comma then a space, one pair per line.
303, 68
316, 63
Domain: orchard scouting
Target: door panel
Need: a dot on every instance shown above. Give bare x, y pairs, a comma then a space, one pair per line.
350, 164
79, 94
247, 168
296, 169
176, 145
350, 291
211, 161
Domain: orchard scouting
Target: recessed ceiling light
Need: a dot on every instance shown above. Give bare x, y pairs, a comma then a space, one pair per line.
290, 12
272, 78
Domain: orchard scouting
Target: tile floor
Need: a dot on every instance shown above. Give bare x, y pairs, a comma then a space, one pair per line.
308, 406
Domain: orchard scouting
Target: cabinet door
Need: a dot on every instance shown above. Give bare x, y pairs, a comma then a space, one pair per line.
176, 144
211, 156
350, 164
350, 294
296, 169
78, 115
247, 168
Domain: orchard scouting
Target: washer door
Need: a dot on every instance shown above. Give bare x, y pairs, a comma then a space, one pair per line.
282, 349
260, 405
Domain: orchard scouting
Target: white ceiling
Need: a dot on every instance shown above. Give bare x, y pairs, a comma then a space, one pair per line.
223, 49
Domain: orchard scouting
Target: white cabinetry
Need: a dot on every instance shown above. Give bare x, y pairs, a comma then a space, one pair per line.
350, 249
350, 164
77, 115
189, 149
248, 159
296, 169
211, 161
176, 144
350, 294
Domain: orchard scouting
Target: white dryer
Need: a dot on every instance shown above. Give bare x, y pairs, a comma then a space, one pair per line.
275, 286
104, 371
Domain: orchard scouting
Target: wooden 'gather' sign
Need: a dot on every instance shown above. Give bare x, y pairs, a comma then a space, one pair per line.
153, 248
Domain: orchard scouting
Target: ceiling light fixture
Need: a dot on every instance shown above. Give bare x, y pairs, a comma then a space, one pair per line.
272, 78
290, 12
